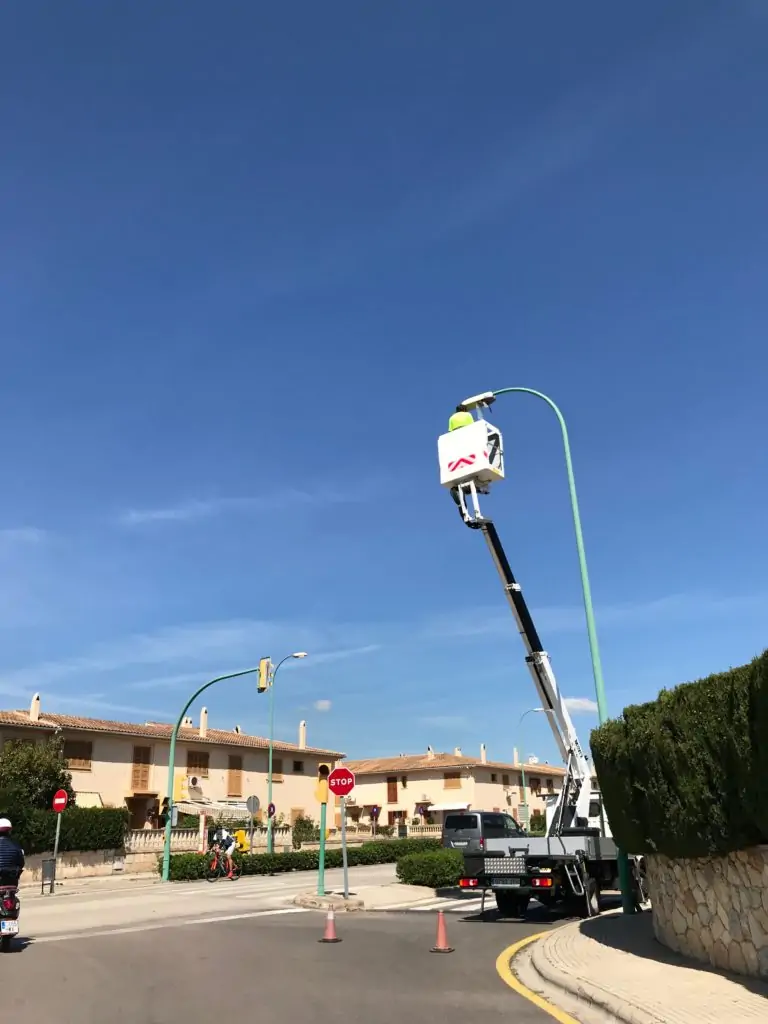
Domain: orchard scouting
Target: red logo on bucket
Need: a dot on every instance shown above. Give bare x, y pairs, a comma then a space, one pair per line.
463, 461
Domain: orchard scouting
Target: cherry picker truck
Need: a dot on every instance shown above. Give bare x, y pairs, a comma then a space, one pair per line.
577, 857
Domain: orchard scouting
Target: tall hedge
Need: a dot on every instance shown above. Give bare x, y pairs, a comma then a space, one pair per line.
687, 774
82, 828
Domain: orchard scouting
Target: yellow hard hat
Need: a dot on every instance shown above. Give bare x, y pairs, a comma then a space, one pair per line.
461, 418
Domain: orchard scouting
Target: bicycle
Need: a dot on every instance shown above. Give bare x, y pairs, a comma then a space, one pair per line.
218, 867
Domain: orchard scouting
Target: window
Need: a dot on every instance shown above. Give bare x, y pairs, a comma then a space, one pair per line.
404, 781
494, 777
77, 754
536, 786
550, 786
451, 780
505, 779
235, 775
298, 767
392, 789
296, 813
142, 759
197, 762
277, 769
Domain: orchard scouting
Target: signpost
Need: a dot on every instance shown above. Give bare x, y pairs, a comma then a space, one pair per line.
253, 804
374, 818
321, 794
341, 781
59, 803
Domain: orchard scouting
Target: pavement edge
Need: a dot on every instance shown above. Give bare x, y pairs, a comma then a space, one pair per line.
331, 901
508, 976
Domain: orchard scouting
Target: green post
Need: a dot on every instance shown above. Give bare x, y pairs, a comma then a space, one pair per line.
172, 763
627, 896
321, 854
270, 817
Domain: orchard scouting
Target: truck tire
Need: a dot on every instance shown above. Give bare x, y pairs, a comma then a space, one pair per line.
510, 904
5, 944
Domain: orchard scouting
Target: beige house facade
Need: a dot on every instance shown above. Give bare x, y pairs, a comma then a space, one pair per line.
125, 764
425, 787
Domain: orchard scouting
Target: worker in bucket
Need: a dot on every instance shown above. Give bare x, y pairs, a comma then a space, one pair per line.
461, 418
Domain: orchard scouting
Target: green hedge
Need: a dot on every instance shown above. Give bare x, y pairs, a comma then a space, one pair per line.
82, 828
687, 774
437, 869
186, 867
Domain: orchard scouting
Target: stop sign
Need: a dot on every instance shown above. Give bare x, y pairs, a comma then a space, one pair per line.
60, 799
341, 781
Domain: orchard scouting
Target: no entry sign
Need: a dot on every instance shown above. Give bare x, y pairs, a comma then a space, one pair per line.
60, 800
341, 781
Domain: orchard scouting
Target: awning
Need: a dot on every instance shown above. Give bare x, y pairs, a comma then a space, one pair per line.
448, 807
213, 810
88, 800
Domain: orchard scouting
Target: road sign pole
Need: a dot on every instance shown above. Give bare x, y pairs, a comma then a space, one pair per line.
321, 856
344, 846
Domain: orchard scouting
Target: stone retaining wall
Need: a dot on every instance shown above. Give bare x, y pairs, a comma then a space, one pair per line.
714, 909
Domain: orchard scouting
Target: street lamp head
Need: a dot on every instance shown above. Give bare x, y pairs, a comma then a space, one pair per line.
476, 401
299, 654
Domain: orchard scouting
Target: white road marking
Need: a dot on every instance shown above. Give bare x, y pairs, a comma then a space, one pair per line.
69, 936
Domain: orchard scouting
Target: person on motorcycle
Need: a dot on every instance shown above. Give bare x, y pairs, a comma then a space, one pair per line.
11, 855
227, 844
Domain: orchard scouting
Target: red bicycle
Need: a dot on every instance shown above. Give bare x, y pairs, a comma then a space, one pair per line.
218, 867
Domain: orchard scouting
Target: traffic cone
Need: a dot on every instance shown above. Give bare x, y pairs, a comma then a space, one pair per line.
330, 928
441, 943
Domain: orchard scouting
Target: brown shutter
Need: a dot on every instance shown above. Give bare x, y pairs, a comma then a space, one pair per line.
235, 776
142, 757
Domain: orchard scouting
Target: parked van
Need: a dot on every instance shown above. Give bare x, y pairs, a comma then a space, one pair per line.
468, 830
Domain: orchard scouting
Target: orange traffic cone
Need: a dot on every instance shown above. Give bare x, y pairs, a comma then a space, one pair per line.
441, 943
330, 928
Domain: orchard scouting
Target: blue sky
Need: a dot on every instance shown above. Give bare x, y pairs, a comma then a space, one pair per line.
252, 256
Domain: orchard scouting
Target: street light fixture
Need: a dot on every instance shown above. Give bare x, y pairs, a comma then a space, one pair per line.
270, 817
530, 711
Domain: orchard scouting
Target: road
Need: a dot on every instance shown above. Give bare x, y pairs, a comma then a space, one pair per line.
272, 968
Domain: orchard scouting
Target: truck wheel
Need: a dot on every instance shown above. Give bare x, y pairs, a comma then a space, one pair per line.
5, 944
511, 905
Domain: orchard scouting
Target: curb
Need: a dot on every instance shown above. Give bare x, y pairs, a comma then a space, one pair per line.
331, 901
554, 979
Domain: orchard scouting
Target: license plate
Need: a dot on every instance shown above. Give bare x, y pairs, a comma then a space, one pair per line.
506, 883
9, 927
462, 843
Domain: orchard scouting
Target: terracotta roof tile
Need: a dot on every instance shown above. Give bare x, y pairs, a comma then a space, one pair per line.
154, 730
425, 762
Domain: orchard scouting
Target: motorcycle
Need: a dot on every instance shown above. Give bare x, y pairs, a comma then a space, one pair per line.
10, 908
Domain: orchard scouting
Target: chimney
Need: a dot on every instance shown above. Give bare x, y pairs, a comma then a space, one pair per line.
457, 751
187, 723
514, 756
34, 709
203, 723
238, 730
302, 735
430, 753
483, 754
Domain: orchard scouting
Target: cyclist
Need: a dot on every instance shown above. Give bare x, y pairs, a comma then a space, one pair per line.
227, 844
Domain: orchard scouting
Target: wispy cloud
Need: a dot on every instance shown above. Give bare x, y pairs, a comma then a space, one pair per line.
444, 721
193, 509
350, 652
193, 648
322, 705
580, 705
673, 608
18, 536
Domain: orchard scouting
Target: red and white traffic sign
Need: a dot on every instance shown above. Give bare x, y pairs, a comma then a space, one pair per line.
60, 800
341, 781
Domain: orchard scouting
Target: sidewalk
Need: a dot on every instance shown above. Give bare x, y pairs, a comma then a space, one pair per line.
612, 968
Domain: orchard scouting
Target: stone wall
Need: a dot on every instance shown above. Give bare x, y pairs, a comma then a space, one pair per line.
714, 909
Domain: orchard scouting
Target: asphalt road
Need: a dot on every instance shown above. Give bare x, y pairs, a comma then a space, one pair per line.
273, 969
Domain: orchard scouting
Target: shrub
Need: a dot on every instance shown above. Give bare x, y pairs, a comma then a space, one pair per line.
305, 831
537, 825
436, 869
82, 828
684, 775
186, 867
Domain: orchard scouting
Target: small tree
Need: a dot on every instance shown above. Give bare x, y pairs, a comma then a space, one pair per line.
31, 773
304, 831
